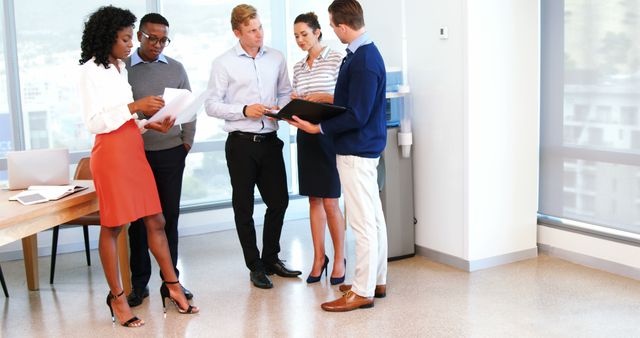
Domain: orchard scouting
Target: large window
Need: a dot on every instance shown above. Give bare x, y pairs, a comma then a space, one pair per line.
48, 52
590, 154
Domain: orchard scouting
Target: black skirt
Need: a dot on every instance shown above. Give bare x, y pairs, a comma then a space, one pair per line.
317, 172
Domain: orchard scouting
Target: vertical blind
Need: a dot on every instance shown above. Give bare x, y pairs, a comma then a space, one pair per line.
590, 119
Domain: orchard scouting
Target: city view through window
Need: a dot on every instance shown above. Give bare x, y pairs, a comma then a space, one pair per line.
594, 149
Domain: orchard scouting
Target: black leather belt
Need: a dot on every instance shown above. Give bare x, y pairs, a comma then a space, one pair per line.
254, 137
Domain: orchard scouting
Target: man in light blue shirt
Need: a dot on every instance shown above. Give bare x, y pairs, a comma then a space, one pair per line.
247, 81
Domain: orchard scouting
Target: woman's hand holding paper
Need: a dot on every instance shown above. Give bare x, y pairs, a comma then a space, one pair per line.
161, 126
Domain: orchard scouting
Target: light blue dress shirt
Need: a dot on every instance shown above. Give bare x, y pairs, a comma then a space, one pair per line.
363, 39
135, 59
237, 79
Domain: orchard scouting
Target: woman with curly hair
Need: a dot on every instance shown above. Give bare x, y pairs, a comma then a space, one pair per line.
123, 178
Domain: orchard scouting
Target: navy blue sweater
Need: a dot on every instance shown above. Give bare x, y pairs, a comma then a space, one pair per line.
361, 130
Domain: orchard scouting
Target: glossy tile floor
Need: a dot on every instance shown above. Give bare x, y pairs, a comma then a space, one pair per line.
539, 297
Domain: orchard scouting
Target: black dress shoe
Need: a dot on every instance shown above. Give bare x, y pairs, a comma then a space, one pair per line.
260, 280
136, 296
187, 293
279, 269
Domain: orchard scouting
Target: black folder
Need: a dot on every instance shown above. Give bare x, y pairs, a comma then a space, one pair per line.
313, 112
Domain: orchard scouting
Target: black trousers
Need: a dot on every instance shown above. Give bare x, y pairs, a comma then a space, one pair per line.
257, 162
168, 167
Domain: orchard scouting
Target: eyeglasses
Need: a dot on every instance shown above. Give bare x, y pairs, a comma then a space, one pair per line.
163, 42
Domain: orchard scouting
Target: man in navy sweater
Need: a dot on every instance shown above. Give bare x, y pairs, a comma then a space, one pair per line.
359, 136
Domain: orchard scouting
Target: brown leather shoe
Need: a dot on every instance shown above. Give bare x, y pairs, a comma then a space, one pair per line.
349, 301
380, 292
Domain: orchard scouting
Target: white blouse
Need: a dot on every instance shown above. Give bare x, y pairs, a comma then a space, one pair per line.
105, 94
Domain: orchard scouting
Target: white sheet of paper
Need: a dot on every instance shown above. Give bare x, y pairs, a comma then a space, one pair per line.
192, 107
180, 104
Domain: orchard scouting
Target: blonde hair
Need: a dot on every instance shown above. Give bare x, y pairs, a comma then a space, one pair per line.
241, 14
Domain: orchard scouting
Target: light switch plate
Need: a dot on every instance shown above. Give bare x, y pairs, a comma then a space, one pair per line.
444, 32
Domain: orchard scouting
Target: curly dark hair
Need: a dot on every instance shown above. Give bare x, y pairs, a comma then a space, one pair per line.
100, 33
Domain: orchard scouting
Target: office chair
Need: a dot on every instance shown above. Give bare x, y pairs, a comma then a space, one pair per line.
4, 285
83, 172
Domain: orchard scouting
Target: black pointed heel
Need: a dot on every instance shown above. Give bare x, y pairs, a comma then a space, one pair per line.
315, 279
128, 323
339, 280
164, 293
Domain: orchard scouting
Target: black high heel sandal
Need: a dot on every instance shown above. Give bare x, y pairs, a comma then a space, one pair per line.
164, 293
339, 280
129, 323
315, 279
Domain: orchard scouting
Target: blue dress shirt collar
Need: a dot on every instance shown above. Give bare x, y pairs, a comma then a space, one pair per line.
135, 58
359, 41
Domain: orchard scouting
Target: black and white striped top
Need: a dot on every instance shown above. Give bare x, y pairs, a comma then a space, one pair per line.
321, 78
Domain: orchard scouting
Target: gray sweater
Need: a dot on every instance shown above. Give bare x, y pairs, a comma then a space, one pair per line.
151, 79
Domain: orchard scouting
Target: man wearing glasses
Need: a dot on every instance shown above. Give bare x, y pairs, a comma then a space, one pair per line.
150, 72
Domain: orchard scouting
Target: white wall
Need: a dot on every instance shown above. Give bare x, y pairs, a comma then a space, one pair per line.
588, 246
436, 77
502, 126
598, 253
475, 103
383, 22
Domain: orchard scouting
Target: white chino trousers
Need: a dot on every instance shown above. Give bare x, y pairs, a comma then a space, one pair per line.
359, 179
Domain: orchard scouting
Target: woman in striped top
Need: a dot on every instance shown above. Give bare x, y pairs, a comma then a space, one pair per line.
314, 79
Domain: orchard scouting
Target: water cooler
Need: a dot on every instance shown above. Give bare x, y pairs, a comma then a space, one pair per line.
395, 173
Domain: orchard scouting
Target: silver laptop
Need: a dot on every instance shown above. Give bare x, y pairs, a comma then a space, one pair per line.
37, 167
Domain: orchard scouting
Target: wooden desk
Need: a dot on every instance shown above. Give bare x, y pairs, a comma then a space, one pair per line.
19, 221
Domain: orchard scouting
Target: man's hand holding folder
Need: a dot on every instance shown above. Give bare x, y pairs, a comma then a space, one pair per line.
312, 112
